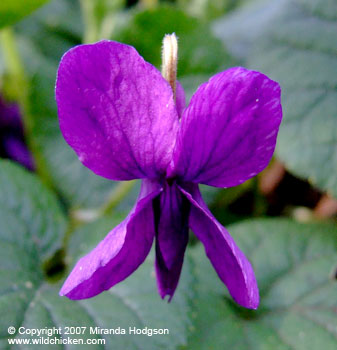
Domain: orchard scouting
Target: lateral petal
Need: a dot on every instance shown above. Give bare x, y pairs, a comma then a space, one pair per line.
228, 132
229, 262
116, 111
119, 253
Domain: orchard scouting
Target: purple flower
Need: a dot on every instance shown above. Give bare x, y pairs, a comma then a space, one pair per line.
12, 144
119, 115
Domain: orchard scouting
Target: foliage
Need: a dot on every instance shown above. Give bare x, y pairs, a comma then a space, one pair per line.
293, 42
296, 266
43, 215
14, 10
33, 227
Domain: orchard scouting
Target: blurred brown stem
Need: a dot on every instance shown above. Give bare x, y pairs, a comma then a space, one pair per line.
326, 207
271, 177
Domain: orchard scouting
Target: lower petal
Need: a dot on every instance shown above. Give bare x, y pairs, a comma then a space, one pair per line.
168, 278
230, 263
119, 253
171, 216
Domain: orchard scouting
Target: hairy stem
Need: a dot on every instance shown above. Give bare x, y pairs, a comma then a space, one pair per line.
170, 60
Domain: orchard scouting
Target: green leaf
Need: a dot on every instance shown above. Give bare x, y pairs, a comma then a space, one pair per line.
241, 29
26, 204
296, 46
132, 303
12, 11
32, 229
295, 265
207, 9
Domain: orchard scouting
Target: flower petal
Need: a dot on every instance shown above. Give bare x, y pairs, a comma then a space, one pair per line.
180, 99
119, 253
10, 116
116, 111
228, 132
167, 279
231, 265
17, 150
171, 210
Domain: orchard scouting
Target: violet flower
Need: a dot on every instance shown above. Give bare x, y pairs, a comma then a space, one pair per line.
12, 143
120, 116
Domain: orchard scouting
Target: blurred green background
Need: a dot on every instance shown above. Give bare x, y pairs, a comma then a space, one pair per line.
284, 220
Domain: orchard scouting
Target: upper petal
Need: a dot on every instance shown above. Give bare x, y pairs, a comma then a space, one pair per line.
119, 253
227, 259
228, 132
116, 111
